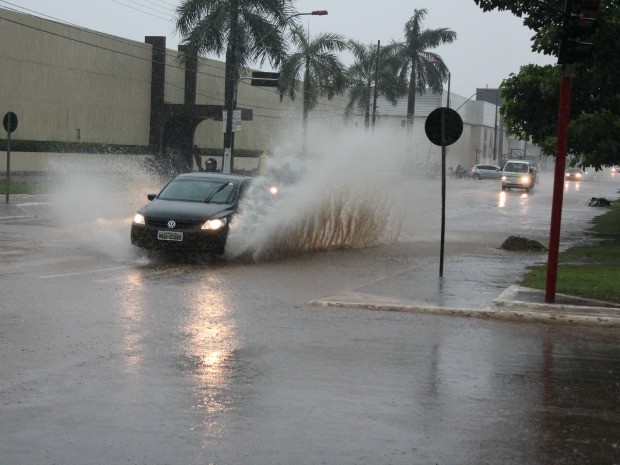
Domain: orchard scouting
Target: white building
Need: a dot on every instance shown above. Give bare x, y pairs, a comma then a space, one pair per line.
484, 139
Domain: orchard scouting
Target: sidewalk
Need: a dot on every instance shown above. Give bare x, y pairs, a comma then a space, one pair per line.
13, 210
473, 286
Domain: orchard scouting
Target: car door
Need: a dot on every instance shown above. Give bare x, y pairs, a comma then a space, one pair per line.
484, 171
489, 172
495, 172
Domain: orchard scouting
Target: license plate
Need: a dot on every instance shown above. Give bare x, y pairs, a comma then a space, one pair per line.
170, 235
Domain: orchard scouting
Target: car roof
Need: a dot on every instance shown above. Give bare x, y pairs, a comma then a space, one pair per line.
213, 176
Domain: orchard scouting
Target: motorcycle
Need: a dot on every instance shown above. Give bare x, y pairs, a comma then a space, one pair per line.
461, 173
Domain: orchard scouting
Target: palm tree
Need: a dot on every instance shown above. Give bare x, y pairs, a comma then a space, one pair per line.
372, 68
425, 69
245, 30
323, 73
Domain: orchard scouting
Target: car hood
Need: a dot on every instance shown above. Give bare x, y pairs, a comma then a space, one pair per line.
185, 211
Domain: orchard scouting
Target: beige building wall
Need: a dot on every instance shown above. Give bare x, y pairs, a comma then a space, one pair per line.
67, 84
73, 85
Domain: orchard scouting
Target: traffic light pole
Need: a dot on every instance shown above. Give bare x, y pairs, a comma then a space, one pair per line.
558, 182
228, 164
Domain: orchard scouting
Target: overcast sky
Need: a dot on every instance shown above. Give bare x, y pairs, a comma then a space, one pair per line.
488, 48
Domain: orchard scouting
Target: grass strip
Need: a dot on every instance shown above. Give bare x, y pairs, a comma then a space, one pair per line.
591, 271
592, 281
21, 187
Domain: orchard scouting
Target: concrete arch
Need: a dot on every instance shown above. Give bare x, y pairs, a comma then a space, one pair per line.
172, 126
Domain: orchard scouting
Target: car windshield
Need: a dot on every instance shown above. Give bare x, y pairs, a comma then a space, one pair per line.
515, 167
199, 190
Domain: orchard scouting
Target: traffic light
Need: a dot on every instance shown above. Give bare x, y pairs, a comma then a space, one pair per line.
574, 27
265, 79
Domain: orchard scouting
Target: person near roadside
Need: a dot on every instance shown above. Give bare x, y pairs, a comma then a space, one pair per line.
211, 165
197, 157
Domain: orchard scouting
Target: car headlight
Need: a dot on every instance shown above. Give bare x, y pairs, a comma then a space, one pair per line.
503, 177
578, 175
138, 219
214, 224
273, 190
525, 179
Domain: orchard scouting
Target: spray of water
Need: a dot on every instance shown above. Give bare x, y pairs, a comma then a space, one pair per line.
350, 191
344, 194
94, 199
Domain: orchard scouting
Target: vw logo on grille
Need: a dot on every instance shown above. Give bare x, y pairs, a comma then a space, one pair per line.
172, 224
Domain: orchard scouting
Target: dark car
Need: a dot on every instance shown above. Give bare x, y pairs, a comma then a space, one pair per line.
486, 172
192, 213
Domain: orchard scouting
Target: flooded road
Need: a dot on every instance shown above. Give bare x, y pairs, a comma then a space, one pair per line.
108, 358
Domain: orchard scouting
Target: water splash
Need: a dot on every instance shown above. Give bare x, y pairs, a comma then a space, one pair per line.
346, 193
94, 198
343, 195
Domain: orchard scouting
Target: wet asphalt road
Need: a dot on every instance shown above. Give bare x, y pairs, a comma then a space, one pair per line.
107, 358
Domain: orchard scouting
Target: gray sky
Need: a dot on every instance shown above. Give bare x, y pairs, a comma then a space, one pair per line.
488, 48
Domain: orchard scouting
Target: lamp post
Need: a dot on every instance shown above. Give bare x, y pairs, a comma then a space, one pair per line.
434, 62
468, 99
449, 79
376, 89
229, 136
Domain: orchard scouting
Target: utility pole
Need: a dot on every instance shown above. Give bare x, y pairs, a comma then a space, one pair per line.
495, 128
374, 102
232, 65
574, 26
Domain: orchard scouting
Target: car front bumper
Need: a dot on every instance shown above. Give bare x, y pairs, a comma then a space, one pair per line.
518, 183
199, 240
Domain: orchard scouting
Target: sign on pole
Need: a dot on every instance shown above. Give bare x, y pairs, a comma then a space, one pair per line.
10, 124
236, 120
443, 126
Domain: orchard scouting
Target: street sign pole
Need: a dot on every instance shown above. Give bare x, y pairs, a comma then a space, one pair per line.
8, 162
443, 192
10, 124
443, 127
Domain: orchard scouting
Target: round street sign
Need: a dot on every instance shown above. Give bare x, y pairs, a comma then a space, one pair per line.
10, 122
452, 126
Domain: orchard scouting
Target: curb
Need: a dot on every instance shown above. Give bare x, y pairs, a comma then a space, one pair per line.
526, 303
22, 217
505, 307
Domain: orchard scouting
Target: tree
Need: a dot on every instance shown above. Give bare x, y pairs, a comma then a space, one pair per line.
530, 108
542, 16
426, 69
531, 97
368, 71
323, 73
244, 30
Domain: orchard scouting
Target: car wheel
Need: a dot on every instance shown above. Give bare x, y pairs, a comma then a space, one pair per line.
503, 188
527, 189
477, 177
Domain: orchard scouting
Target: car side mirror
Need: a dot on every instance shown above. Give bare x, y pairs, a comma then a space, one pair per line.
151, 196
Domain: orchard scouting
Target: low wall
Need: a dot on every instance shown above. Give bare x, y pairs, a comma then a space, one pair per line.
33, 162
